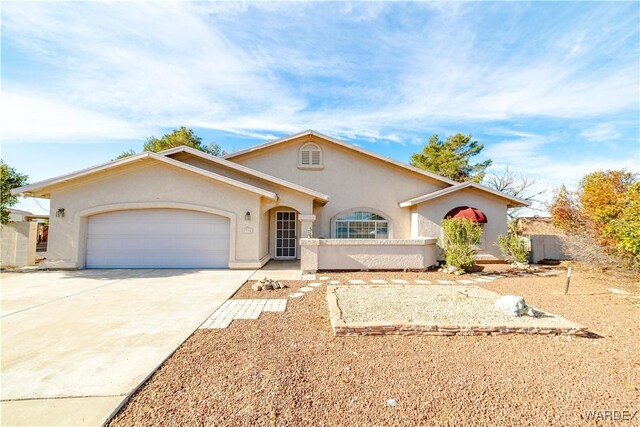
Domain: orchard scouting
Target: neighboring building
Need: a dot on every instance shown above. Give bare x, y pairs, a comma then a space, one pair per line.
185, 208
542, 225
17, 215
42, 228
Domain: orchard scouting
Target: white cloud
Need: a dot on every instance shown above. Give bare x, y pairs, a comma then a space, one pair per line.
451, 82
30, 118
602, 132
531, 155
269, 68
159, 64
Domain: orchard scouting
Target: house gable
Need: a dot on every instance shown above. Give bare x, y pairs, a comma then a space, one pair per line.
310, 136
511, 201
238, 172
350, 178
43, 188
430, 213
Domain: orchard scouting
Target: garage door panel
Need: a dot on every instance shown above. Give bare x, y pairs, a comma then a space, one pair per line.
157, 238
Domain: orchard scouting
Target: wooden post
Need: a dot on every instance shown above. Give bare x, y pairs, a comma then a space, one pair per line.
566, 287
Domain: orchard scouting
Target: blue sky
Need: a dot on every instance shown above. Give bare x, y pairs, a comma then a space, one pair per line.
551, 88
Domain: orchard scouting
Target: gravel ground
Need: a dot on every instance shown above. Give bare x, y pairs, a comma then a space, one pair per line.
245, 292
287, 369
439, 304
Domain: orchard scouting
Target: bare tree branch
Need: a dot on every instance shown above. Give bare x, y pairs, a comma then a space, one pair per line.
516, 185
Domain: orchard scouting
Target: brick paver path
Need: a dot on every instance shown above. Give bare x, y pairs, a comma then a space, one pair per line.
242, 309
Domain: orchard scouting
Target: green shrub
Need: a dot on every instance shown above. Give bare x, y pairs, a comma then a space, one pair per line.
460, 236
513, 248
626, 228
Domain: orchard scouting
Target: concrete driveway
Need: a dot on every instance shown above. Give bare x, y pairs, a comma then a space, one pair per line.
76, 344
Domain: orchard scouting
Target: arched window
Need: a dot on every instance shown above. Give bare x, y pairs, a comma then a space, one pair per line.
310, 156
361, 225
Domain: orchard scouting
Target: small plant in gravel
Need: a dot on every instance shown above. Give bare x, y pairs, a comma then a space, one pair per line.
451, 269
460, 237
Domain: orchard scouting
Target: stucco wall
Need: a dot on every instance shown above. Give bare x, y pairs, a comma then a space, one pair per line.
288, 199
224, 171
286, 196
546, 247
349, 178
264, 234
150, 184
18, 244
431, 212
362, 254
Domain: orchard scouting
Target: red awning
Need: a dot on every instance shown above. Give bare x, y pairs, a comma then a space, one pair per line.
466, 212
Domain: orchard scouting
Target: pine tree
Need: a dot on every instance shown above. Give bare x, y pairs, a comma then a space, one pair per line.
451, 158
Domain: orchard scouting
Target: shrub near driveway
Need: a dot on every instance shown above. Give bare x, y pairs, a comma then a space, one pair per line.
288, 369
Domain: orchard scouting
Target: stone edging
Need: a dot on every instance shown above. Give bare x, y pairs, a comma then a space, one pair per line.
341, 328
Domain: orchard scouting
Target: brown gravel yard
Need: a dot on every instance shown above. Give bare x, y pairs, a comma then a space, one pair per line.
288, 369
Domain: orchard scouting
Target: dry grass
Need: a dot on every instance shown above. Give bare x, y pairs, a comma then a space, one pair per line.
288, 369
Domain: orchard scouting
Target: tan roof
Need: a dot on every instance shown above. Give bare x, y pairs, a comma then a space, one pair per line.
240, 168
342, 144
41, 186
515, 201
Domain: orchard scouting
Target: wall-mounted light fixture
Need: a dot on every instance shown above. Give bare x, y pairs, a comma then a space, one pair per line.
247, 216
60, 213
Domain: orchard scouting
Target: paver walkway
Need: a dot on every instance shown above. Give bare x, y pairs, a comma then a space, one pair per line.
242, 309
251, 308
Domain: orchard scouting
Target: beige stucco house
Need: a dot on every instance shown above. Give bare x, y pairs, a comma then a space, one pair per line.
308, 196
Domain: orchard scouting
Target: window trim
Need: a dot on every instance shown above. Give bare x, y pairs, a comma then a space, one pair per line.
335, 219
310, 147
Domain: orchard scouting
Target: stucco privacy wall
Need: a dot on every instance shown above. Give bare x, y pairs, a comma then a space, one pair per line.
546, 247
431, 212
352, 180
151, 184
18, 244
363, 254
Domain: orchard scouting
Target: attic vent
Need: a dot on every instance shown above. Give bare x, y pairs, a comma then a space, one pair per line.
310, 156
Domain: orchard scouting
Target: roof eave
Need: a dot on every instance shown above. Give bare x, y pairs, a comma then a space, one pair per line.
33, 188
265, 193
39, 187
516, 202
318, 196
343, 144
268, 144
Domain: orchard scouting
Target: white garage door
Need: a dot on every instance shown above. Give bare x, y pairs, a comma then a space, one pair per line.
157, 238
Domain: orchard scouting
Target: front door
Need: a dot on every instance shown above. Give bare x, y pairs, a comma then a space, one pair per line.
285, 235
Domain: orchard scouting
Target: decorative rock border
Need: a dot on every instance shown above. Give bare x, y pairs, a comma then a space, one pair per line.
341, 328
